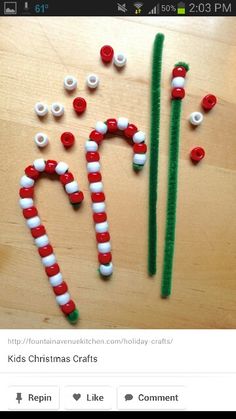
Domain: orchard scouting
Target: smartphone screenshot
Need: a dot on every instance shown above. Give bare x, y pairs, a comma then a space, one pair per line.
118, 203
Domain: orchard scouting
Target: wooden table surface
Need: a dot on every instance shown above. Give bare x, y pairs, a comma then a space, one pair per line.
36, 54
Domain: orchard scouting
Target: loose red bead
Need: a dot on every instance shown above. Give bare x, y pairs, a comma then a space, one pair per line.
99, 217
179, 71
106, 53
98, 196
94, 177
130, 130
76, 197
79, 104
68, 307
31, 172
45, 250
26, 192
112, 125
30, 212
60, 289
197, 154
96, 136
67, 139
52, 270
104, 258
92, 156
208, 102
178, 93
103, 237
38, 231
140, 148
50, 166
66, 178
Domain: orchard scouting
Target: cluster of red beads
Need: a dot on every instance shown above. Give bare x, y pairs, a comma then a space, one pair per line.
178, 81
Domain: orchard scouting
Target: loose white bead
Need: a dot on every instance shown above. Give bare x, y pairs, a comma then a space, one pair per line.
61, 168
96, 187
178, 82
70, 83
101, 227
104, 247
26, 203
98, 207
41, 139
42, 241
93, 166
72, 187
39, 165
122, 123
92, 81
56, 280
101, 127
120, 59
139, 137
49, 260
196, 118
63, 299
139, 158
57, 109
106, 270
26, 182
33, 222
91, 146
40, 109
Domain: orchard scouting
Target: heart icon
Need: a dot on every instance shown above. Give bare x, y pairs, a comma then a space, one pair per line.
76, 396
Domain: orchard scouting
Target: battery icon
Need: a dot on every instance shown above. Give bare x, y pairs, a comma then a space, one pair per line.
181, 8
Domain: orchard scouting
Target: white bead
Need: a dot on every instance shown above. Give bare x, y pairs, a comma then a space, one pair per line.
178, 82
57, 109
49, 260
26, 182
122, 123
41, 139
33, 222
63, 299
139, 158
42, 241
196, 118
96, 187
91, 146
56, 279
101, 127
120, 59
101, 227
92, 81
70, 83
39, 165
72, 187
104, 247
40, 109
98, 207
61, 168
93, 166
106, 270
26, 203
139, 137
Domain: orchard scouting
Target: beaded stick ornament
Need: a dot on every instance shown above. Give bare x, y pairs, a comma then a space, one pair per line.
112, 126
38, 231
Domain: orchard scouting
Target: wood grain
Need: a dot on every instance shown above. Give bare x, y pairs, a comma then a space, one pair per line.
36, 54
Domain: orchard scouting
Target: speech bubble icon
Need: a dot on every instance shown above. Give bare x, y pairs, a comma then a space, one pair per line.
128, 397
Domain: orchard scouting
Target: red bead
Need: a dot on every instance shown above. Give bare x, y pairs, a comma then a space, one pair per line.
178, 93
45, 250
79, 104
106, 53
92, 156
68, 307
130, 130
98, 196
99, 217
104, 258
31, 172
140, 148
66, 178
26, 192
76, 197
30, 212
179, 71
60, 289
38, 231
67, 139
112, 125
52, 270
197, 154
103, 237
208, 102
50, 166
96, 136
94, 177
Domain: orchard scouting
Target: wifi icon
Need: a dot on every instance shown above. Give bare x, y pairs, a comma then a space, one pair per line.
155, 10
138, 6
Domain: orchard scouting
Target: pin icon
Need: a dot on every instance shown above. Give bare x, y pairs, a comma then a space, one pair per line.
76, 396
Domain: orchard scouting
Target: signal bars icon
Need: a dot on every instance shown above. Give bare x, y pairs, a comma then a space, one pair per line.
155, 10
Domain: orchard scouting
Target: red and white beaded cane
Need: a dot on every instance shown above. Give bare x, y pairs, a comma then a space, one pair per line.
111, 126
38, 231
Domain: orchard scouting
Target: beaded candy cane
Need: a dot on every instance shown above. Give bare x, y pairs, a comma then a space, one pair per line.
130, 131
38, 231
